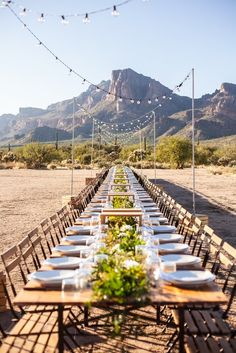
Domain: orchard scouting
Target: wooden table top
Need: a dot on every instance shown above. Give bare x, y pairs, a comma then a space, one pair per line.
163, 295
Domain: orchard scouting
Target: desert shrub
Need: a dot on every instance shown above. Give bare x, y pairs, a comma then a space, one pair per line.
9, 157
37, 155
137, 155
174, 150
203, 154
86, 159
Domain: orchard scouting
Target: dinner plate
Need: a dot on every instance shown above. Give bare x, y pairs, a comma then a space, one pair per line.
76, 239
52, 276
151, 209
171, 248
160, 220
181, 259
149, 205
163, 229
70, 249
167, 237
155, 215
188, 278
63, 262
79, 230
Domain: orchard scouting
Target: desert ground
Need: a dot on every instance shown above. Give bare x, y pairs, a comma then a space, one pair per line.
29, 196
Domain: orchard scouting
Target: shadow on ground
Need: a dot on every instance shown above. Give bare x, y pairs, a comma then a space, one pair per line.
220, 219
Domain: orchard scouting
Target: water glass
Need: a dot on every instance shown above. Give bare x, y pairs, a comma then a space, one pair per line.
100, 257
68, 287
82, 278
168, 266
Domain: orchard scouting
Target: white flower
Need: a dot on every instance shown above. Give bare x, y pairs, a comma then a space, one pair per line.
130, 263
126, 227
116, 247
121, 235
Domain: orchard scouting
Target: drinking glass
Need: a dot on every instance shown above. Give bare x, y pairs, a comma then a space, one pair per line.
100, 257
168, 266
82, 278
68, 287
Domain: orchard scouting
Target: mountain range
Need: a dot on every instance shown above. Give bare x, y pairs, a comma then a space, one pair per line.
215, 113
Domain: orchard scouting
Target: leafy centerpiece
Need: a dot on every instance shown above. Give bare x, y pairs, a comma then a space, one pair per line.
121, 277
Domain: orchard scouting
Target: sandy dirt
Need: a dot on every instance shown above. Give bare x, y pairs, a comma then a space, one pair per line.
29, 196
215, 196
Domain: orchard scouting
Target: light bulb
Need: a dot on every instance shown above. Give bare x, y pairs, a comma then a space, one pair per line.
23, 12
120, 99
160, 105
132, 101
86, 19
97, 89
138, 101
149, 101
114, 12
156, 99
41, 19
170, 98
83, 82
164, 97
64, 21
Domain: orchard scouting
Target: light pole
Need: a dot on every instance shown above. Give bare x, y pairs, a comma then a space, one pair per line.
93, 127
154, 144
72, 149
193, 144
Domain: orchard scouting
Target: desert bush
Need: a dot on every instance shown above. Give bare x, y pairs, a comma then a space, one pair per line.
9, 157
174, 150
203, 155
37, 155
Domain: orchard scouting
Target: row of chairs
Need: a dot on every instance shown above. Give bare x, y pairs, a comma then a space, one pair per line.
207, 329
27, 256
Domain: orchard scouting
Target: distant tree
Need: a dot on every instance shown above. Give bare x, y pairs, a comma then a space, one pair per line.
37, 155
174, 150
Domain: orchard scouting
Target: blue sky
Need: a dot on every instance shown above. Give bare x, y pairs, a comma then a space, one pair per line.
161, 39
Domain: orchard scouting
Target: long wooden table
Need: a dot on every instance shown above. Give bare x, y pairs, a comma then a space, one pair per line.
163, 295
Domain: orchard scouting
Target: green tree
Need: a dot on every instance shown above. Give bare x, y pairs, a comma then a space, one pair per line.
174, 150
36, 155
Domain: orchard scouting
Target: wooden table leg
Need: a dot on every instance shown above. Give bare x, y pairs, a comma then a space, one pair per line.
60, 329
181, 329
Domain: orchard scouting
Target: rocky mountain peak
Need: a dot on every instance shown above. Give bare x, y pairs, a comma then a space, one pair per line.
128, 83
228, 88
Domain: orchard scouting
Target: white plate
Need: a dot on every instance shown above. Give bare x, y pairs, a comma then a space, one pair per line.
188, 278
79, 230
158, 219
181, 259
63, 262
70, 249
149, 204
76, 239
172, 248
168, 238
53, 276
163, 229
155, 215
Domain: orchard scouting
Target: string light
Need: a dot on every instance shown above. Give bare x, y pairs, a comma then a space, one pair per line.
23, 12
86, 19
64, 21
149, 101
114, 12
41, 18
86, 16
84, 80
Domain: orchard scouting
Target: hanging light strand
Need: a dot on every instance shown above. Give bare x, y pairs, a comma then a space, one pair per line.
66, 16
84, 80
